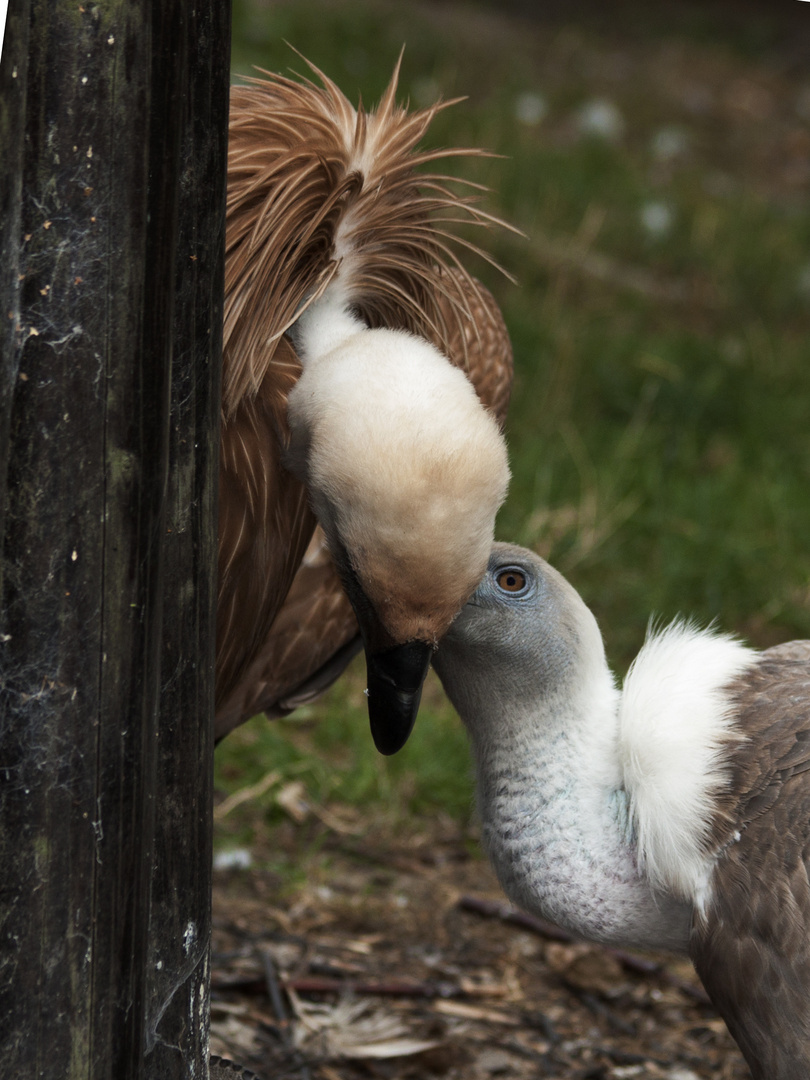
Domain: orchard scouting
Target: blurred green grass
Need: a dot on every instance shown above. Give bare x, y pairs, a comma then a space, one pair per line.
659, 424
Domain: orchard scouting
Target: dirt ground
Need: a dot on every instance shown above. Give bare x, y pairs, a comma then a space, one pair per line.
381, 963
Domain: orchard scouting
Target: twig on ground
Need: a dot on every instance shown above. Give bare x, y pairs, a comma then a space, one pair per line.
246, 794
273, 987
492, 909
405, 988
310, 984
638, 965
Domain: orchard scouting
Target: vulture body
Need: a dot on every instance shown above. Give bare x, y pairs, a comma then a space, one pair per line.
673, 814
365, 379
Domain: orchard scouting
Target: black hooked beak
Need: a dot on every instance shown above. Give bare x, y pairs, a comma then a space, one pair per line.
395, 679
396, 672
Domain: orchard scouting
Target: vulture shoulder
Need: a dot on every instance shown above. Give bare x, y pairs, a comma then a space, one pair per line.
752, 948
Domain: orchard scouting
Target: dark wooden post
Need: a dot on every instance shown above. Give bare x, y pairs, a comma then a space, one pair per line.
112, 138
181, 884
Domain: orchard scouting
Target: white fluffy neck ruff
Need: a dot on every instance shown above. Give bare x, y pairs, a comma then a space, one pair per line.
676, 725
405, 468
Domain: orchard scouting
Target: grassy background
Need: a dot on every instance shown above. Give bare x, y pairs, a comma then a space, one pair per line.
659, 166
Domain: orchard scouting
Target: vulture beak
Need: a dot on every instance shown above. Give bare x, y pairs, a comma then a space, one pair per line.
396, 670
395, 678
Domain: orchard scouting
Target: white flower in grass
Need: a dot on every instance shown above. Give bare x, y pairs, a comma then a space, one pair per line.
530, 108
601, 118
668, 143
233, 859
657, 219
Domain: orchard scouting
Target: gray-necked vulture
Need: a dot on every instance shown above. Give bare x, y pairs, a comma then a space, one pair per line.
365, 379
673, 813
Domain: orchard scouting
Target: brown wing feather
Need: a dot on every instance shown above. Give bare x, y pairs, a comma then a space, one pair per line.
480, 345
265, 523
310, 642
753, 949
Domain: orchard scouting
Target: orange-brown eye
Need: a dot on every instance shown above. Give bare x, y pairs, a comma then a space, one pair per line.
511, 580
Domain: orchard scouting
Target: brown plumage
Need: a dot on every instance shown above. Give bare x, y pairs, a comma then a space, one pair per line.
752, 951
310, 641
319, 194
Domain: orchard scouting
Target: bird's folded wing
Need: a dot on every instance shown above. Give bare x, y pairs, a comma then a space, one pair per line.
265, 523
479, 343
752, 950
310, 642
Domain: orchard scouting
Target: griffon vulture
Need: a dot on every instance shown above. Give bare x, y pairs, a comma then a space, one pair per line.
365, 379
672, 814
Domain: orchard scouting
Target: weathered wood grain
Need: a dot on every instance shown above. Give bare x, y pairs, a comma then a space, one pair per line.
113, 119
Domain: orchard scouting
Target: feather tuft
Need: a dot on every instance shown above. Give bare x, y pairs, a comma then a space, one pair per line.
320, 192
676, 724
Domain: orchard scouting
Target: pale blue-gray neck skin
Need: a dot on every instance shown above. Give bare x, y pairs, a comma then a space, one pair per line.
531, 683
561, 843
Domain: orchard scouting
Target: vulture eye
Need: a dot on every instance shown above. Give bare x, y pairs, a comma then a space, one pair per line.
511, 580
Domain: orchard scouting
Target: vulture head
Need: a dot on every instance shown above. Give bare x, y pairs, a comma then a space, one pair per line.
366, 375
405, 471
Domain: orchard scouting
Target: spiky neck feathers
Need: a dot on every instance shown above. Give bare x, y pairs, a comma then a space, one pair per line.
405, 468
315, 185
587, 793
